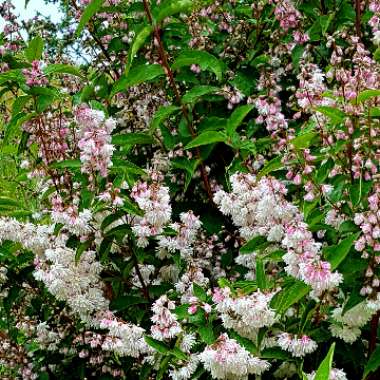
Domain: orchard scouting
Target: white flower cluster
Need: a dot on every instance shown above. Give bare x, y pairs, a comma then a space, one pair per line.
259, 207
36, 238
347, 325
154, 200
245, 314
187, 342
165, 322
3, 274
47, 338
124, 339
75, 221
185, 372
226, 359
95, 141
335, 374
77, 283
186, 234
248, 261
145, 271
298, 347
185, 284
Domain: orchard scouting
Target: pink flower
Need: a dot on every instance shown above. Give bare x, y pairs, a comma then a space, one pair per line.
192, 309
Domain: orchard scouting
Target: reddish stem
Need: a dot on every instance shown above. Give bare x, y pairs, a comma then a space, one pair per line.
170, 75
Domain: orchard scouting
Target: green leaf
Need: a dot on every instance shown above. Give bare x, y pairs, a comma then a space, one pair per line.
188, 165
43, 102
205, 60
34, 50
245, 342
296, 55
109, 219
207, 334
137, 138
254, 245
137, 44
337, 253
237, 117
199, 292
206, 138
367, 94
170, 8
82, 247
271, 166
289, 295
325, 21
6, 202
19, 104
66, 164
131, 208
162, 370
161, 347
275, 353
336, 116
178, 353
60, 68
145, 371
129, 166
323, 371
197, 92
260, 275
373, 363
161, 115
12, 76
303, 141
136, 76
374, 112
87, 14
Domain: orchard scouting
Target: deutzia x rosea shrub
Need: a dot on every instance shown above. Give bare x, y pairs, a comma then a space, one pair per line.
190, 190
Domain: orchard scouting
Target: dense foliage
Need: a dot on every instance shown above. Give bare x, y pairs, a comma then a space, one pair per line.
189, 189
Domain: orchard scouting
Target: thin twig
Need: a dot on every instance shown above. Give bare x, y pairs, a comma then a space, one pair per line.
170, 75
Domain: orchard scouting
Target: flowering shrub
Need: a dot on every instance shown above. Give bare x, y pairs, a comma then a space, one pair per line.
190, 190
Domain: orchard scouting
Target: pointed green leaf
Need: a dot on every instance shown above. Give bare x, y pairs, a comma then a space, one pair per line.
367, 94
161, 115
170, 8
335, 115
271, 166
237, 117
137, 44
137, 138
205, 138
207, 334
178, 353
136, 76
373, 363
87, 14
260, 275
323, 371
195, 93
337, 253
34, 50
303, 141
254, 245
205, 60
289, 295
66, 164
59, 68
160, 347
199, 292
